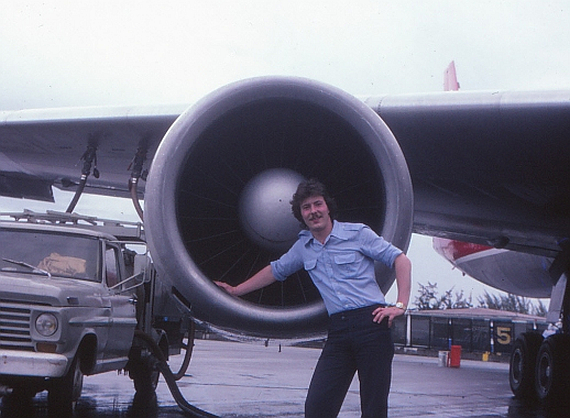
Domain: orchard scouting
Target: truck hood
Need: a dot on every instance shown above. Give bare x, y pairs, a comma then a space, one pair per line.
53, 291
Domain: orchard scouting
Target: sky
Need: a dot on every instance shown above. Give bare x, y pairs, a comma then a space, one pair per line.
82, 53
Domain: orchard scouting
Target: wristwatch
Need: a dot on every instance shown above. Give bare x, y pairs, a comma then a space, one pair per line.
400, 305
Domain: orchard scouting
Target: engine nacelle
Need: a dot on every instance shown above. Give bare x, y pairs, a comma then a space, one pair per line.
217, 196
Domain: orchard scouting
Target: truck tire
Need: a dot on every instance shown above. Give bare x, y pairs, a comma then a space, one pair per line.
64, 392
523, 364
145, 375
552, 366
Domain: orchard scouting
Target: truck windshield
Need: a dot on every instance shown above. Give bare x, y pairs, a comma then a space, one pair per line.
60, 255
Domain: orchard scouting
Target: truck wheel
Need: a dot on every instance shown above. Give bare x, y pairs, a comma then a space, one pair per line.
145, 375
523, 365
552, 380
64, 391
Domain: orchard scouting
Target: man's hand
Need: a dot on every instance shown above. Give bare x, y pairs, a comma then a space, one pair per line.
230, 289
391, 312
262, 278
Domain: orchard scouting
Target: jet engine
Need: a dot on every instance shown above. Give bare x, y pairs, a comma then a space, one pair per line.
218, 192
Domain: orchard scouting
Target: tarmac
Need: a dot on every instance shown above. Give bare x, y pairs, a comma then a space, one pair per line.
237, 379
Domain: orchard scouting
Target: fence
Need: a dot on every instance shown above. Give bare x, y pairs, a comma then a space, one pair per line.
440, 330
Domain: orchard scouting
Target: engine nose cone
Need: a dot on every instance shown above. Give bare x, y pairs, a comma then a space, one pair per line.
265, 212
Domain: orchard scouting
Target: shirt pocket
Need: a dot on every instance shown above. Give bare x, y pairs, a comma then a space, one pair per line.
347, 264
310, 264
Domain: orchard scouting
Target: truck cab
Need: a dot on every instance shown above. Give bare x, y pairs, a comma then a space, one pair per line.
68, 301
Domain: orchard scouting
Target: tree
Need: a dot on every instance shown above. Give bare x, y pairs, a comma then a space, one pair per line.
512, 303
461, 302
429, 298
541, 309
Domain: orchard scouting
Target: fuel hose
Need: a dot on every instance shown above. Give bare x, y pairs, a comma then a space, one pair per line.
162, 365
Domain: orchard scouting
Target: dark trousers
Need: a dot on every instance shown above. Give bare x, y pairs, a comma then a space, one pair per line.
355, 343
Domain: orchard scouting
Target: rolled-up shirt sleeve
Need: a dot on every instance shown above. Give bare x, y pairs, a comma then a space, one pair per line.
377, 248
288, 263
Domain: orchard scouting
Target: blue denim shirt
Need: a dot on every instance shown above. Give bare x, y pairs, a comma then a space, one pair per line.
342, 268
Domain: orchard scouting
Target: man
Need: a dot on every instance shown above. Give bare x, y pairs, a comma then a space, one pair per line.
339, 258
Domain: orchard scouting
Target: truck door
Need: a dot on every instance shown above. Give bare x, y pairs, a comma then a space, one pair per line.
123, 316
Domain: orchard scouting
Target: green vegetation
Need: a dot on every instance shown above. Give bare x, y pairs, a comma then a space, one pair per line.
430, 299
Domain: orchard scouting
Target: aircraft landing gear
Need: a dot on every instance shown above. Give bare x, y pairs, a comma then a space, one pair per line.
540, 367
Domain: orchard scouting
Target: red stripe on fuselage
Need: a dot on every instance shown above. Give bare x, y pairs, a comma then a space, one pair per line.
454, 250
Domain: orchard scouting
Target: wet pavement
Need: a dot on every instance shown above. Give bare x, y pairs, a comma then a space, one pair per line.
251, 380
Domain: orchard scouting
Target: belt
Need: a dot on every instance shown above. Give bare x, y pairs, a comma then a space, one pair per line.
356, 312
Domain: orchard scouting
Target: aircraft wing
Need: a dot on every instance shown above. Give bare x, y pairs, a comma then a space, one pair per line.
42, 148
488, 168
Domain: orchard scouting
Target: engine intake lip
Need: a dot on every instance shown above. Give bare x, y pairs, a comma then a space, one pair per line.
309, 121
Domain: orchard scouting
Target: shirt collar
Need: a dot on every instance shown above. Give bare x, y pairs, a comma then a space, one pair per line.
337, 232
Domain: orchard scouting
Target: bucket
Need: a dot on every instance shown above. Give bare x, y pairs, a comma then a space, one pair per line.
454, 359
442, 358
